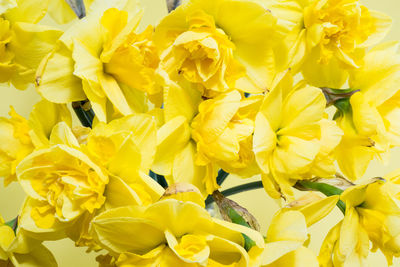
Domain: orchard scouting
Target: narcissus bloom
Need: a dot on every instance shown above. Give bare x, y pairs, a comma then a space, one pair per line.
23, 44
212, 45
370, 125
372, 213
206, 135
174, 233
102, 58
64, 182
337, 33
223, 133
291, 137
19, 137
328, 36
18, 249
68, 182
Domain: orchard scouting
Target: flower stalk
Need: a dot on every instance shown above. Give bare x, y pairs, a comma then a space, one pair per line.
222, 175
84, 112
237, 189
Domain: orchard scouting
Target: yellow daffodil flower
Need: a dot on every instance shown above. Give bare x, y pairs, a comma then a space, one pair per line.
337, 33
291, 136
372, 213
328, 36
370, 128
23, 44
176, 151
223, 134
69, 182
102, 58
18, 249
285, 242
210, 44
191, 126
174, 233
19, 137
64, 183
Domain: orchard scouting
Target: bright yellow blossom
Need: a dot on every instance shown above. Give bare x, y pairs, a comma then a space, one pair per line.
222, 134
174, 233
337, 33
102, 58
197, 136
212, 45
68, 182
19, 137
372, 213
203, 55
176, 151
370, 125
290, 136
328, 36
64, 182
18, 249
23, 44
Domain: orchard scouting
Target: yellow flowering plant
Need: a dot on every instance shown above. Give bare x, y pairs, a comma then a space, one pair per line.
139, 126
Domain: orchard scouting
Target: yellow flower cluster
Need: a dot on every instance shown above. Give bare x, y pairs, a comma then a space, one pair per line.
217, 87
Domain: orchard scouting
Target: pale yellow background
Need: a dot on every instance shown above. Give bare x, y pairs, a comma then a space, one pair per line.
257, 202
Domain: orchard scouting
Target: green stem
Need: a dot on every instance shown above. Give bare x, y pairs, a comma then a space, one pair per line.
160, 179
237, 189
84, 112
326, 189
222, 175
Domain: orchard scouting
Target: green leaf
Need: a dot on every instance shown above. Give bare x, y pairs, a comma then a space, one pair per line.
236, 218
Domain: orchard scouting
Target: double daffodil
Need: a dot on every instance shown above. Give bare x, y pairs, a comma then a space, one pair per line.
102, 58
372, 214
23, 43
210, 44
370, 123
174, 233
